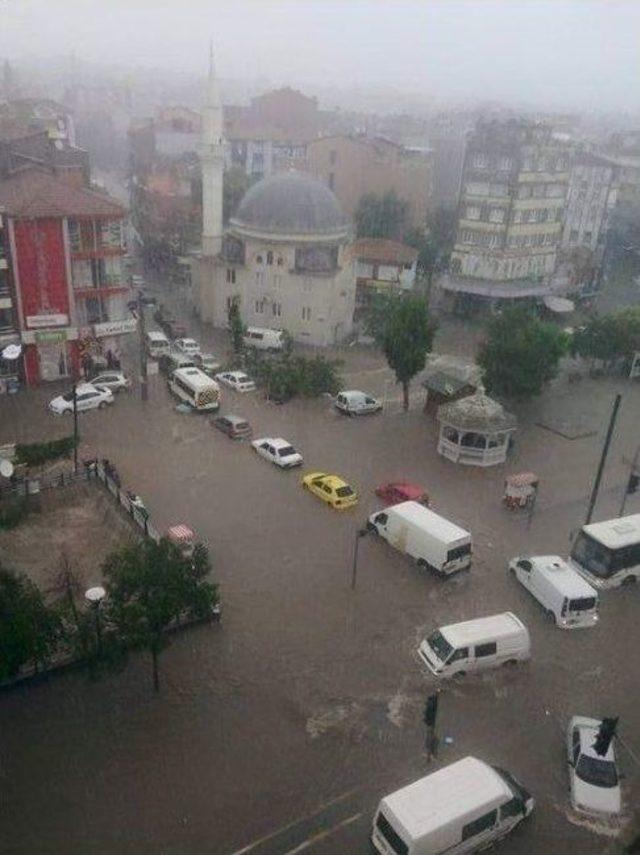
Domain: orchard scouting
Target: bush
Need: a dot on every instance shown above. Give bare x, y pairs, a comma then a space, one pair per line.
37, 453
12, 514
285, 377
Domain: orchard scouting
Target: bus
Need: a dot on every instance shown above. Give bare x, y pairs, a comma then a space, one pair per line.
607, 553
192, 386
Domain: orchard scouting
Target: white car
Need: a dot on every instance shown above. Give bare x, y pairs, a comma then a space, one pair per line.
355, 403
595, 785
88, 397
187, 346
237, 380
277, 451
114, 380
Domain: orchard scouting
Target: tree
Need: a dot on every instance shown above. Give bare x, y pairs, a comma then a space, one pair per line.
401, 325
521, 353
381, 216
609, 337
236, 326
29, 630
427, 252
235, 184
150, 586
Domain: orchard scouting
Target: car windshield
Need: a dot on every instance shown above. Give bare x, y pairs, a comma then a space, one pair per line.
596, 771
593, 556
344, 491
242, 378
583, 604
440, 646
287, 451
67, 397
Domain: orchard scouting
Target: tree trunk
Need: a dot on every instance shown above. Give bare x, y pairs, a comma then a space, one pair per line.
405, 395
156, 678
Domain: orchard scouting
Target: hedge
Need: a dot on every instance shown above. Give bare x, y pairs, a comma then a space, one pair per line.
37, 453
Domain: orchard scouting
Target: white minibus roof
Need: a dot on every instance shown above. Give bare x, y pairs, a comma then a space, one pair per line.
414, 512
157, 336
446, 795
623, 531
195, 378
263, 330
563, 577
484, 629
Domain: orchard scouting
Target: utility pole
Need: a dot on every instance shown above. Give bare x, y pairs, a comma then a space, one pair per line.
632, 482
603, 458
144, 392
360, 533
75, 425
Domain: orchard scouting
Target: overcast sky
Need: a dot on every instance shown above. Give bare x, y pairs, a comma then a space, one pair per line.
582, 53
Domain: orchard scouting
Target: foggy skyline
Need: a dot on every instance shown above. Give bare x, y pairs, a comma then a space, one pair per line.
579, 54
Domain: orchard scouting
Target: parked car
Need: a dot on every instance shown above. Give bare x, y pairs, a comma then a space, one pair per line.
172, 327
188, 346
277, 451
237, 380
207, 362
567, 598
114, 380
331, 489
169, 362
88, 397
355, 403
235, 427
395, 492
148, 299
594, 779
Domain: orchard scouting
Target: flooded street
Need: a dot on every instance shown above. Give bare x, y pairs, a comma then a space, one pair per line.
303, 706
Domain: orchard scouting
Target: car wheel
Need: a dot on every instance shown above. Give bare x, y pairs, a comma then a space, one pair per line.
629, 580
102, 405
551, 615
372, 528
512, 570
510, 662
460, 674
422, 563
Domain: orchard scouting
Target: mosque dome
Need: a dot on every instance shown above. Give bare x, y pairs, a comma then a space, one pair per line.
291, 203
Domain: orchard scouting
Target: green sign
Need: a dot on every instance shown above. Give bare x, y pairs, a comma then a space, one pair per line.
51, 337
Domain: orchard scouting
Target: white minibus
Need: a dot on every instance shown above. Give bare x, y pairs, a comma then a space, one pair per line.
157, 344
194, 387
607, 553
263, 339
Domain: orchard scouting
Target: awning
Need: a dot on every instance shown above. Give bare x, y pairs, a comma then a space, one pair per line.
559, 304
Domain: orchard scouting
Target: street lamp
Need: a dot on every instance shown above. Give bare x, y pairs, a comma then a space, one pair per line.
95, 596
360, 533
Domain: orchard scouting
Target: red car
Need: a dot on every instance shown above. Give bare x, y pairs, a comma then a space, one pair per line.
401, 491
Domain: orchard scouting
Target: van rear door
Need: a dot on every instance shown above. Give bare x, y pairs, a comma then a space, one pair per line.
457, 558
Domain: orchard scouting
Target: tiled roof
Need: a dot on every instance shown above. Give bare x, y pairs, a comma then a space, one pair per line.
382, 249
35, 193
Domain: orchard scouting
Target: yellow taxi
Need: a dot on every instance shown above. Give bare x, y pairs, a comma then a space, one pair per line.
331, 489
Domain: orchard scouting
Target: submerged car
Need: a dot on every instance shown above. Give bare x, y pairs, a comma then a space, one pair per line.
114, 380
187, 346
237, 380
235, 427
594, 779
356, 403
331, 489
277, 451
207, 362
88, 397
395, 492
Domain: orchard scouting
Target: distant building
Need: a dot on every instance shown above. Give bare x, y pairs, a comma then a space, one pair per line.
283, 257
590, 198
40, 114
352, 166
381, 266
511, 213
62, 285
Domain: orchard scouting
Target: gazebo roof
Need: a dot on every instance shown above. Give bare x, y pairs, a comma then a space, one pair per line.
478, 413
445, 384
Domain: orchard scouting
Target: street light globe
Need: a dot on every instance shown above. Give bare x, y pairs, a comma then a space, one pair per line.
95, 595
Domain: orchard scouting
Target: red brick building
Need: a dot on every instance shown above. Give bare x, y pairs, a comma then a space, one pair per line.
65, 247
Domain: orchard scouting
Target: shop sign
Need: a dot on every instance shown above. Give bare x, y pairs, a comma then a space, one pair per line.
51, 336
115, 327
36, 321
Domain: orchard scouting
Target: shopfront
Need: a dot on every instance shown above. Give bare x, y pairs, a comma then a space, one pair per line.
50, 355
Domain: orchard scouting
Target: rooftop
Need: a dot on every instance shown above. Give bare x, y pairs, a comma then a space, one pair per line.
35, 193
478, 413
384, 250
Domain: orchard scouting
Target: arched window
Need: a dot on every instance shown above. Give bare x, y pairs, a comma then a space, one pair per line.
269, 257
258, 259
280, 261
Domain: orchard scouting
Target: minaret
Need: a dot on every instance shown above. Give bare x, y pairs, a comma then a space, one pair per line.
212, 160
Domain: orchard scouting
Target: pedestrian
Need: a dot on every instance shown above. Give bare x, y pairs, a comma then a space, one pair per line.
110, 360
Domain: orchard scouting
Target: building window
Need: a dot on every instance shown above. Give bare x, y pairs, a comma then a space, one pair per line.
496, 215
6, 319
259, 306
505, 163
280, 261
332, 180
269, 257
306, 313
74, 235
473, 212
231, 275
276, 308
233, 299
333, 156
258, 259
586, 237
480, 161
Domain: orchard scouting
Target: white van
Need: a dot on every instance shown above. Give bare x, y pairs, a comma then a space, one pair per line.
263, 339
565, 595
157, 344
432, 540
356, 403
474, 645
607, 553
194, 387
464, 807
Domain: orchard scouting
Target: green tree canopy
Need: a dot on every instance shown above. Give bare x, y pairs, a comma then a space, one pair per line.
236, 326
402, 327
150, 585
235, 183
381, 216
521, 353
612, 336
29, 630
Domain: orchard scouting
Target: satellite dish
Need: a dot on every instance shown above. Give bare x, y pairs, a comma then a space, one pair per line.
12, 351
6, 468
95, 595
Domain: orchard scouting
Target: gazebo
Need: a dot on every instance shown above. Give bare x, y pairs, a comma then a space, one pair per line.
475, 430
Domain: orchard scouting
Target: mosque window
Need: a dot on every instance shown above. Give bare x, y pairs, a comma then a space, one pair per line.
269, 257
258, 259
280, 261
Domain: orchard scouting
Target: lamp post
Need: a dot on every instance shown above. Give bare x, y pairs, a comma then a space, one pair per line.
95, 596
75, 426
360, 533
603, 459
